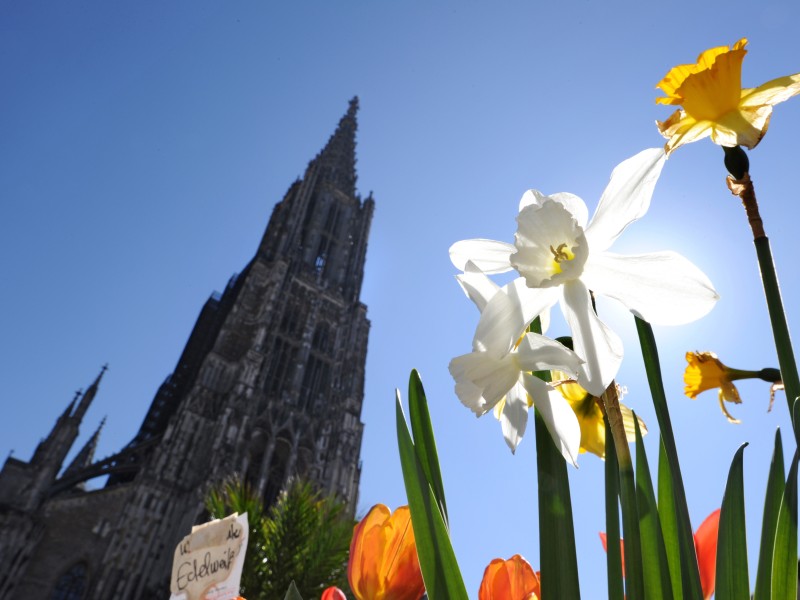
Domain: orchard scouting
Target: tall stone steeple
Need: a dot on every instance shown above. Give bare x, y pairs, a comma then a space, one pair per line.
269, 387
337, 160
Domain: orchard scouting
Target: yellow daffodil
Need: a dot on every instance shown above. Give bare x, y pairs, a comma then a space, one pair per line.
590, 415
714, 102
705, 371
383, 561
512, 579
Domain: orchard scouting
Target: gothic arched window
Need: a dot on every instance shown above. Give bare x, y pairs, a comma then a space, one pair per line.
72, 584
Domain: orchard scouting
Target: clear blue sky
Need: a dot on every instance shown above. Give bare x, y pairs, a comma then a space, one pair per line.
143, 146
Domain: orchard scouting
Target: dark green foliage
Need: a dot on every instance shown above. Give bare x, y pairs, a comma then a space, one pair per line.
304, 538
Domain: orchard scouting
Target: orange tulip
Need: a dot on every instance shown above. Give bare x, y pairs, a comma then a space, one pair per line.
705, 546
511, 579
383, 557
333, 593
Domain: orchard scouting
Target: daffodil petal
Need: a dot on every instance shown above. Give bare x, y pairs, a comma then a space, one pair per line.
773, 92
557, 415
743, 127
663, 288
550, 245
538, 353
629, 423
483, 372
531, 197
489, 256
508, 313
514, 418
593, 341
626, 198
571, 202
480, 289
682, 129
476, 285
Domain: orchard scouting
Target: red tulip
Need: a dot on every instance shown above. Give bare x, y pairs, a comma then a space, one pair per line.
705, 546
333, 593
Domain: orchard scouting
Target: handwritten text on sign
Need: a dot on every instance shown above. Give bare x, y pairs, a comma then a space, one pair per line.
208, 562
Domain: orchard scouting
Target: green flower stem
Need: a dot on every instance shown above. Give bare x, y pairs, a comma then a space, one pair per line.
634, 578
740, 185
769, 374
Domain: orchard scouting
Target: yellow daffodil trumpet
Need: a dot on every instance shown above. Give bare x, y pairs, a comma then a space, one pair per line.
589, 411
715, 104
705, 371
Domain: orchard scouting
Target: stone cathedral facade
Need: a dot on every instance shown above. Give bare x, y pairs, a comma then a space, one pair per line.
269, 386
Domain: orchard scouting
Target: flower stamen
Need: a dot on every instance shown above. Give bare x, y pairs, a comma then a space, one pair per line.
560, 253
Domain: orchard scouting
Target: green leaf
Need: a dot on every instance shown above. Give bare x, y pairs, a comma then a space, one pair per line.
784, 558
657, 583
690, 576
780, 329
616, 587
292, 593
437, 560
733, 582
669, 521
424, 441
772, 505
559, 562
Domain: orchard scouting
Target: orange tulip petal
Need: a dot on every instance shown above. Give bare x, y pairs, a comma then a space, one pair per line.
511, 579
705, 543
383, 557
604, 541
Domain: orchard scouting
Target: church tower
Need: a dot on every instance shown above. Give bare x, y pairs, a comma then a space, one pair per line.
269, 386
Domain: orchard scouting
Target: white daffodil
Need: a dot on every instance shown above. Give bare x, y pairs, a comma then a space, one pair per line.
560, 258
502, 381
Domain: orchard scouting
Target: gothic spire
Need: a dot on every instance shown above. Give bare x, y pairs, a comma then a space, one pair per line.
337, 159
85, 457
68, 411
88, 396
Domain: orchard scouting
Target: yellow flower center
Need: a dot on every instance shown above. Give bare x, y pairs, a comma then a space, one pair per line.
562, 253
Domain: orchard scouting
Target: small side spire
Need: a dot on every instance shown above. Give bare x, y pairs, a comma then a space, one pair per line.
338, 157
89, 395
85, 457
68, 412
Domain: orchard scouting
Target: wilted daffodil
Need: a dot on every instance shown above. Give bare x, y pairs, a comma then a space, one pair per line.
705, 371
705, 546
560, 257
512, 579
497, 379
590, 415
383, 561
714, 102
